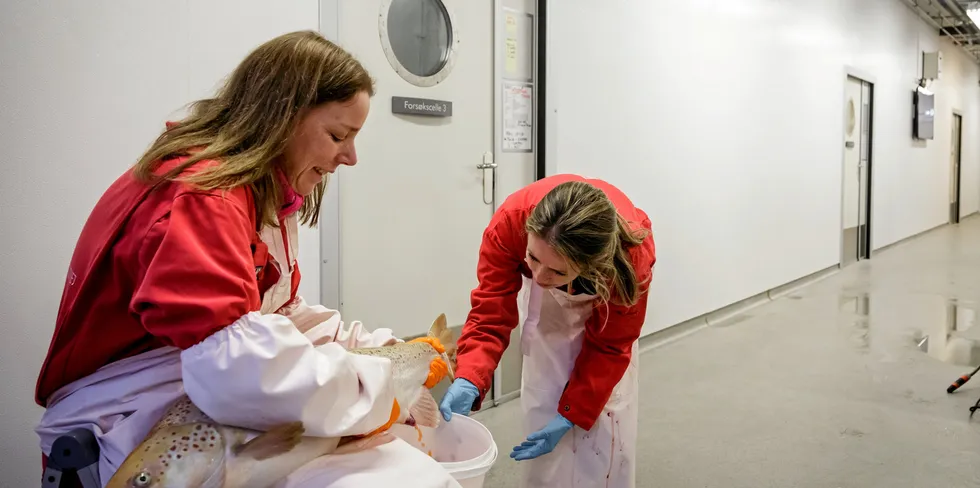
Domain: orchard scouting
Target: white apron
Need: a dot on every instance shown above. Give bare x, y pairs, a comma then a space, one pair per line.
551, 339
122, 401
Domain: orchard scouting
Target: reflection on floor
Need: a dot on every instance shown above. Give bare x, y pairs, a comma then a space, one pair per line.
840, 384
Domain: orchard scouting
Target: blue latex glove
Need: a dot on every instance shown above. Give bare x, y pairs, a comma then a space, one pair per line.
459, 399
542, 441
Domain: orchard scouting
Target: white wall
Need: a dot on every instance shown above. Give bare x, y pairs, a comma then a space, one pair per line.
960, 85
84, 89
724, 120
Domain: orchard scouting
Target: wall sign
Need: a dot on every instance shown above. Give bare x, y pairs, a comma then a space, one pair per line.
421, 106
518, 117
518, 45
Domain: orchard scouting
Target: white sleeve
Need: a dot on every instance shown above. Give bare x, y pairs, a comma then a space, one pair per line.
323, 325
261, 371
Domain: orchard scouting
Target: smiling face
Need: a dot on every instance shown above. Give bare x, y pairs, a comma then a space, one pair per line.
548, 268
323, 141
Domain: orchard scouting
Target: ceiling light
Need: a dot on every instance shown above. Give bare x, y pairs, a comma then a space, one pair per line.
974, 14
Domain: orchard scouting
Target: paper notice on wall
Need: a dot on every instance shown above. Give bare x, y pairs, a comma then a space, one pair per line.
510, 44
510, 56
518, 44
518, 117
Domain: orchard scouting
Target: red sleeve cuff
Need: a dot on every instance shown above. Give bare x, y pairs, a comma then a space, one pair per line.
480, 380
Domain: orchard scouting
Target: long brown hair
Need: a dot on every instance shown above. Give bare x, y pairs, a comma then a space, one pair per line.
244, 128
582, 225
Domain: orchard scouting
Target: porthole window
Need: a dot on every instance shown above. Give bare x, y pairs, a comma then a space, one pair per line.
419, 39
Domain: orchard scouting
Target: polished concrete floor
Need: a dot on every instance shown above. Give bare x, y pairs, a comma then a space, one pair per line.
838, 384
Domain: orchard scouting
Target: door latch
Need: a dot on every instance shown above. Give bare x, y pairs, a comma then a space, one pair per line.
488, 180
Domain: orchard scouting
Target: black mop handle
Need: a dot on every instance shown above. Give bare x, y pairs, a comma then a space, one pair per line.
961, 380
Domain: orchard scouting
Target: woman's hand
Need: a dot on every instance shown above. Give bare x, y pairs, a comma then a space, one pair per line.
459, 399
543, 441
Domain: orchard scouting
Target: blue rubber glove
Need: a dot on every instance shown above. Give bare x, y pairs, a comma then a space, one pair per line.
459, 399
542, 441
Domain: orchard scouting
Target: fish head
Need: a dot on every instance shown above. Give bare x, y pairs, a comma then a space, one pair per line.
175, 456
411, 365
419, 356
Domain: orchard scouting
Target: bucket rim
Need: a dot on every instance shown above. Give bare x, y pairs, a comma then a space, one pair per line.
479, 465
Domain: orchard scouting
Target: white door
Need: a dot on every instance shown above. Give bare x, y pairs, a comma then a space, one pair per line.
852, 162
857, 176
413, 210
864, 174
954, 171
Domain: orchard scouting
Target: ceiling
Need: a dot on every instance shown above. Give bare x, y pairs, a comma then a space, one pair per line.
952, 21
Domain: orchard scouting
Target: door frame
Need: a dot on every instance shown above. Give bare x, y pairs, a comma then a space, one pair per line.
959, 168
331, 272
330, 223
541, 73
868, 77
329, 226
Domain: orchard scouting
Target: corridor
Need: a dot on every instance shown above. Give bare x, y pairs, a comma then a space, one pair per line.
838, 384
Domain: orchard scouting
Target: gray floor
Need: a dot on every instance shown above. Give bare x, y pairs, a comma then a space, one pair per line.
840, 384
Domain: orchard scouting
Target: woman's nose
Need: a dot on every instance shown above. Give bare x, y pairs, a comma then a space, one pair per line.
350, 158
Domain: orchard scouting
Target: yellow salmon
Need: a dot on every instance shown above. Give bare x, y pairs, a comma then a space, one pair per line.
188, 449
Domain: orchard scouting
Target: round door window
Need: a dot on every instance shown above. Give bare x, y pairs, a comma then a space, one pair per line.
418, 37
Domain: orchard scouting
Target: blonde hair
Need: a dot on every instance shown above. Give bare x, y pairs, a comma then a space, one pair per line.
246, 125
580, 223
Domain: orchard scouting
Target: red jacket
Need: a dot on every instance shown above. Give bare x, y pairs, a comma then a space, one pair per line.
605, 351
151, 269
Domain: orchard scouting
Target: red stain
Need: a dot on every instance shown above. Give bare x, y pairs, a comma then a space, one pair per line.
612, 447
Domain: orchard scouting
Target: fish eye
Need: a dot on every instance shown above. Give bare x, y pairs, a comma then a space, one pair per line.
142, 479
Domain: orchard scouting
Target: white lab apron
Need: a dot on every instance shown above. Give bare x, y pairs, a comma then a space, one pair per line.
122, 401
551, 339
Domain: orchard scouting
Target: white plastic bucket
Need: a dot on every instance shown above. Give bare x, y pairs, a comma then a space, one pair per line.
463, 446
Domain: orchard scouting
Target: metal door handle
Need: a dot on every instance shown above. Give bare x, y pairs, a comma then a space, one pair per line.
488, 183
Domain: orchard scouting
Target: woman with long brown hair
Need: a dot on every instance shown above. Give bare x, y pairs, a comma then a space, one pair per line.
574, 257
185, 278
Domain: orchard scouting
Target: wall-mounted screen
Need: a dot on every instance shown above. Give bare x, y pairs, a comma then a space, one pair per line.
923, 124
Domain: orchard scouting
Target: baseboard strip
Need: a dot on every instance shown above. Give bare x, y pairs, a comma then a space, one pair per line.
909, 238
718, 317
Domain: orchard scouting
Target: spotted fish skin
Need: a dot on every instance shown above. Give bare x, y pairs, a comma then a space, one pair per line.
183, 411
184, 437
187, 448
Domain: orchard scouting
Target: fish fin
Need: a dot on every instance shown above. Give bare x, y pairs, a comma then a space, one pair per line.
441, 331
277, 440
439, 328
356, 444
426, 410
